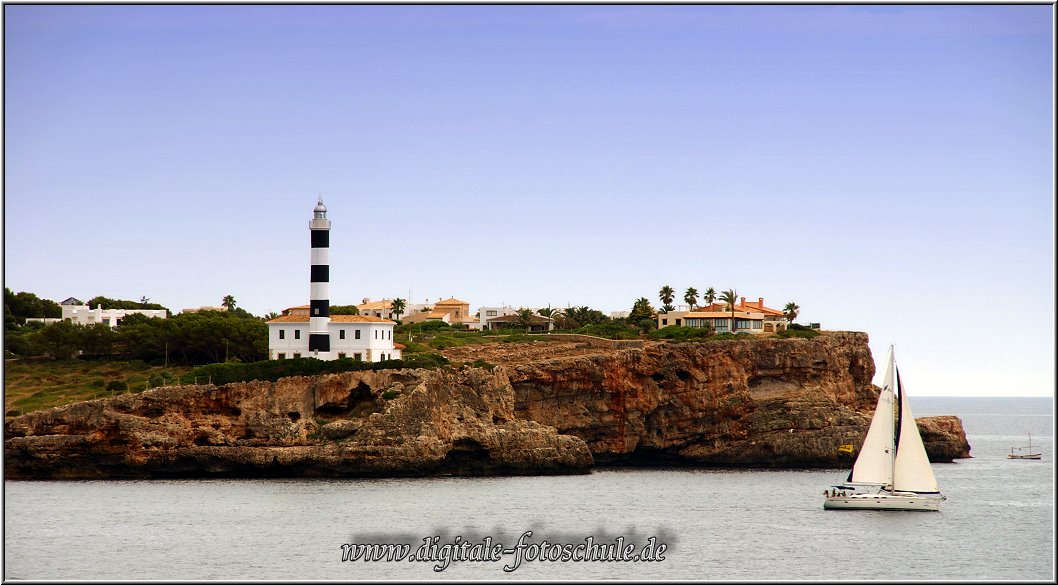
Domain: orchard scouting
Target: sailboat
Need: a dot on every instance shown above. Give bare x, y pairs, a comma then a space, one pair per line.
892, 471
1028, 455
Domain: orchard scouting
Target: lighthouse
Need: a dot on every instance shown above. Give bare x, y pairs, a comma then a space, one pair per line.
319, 303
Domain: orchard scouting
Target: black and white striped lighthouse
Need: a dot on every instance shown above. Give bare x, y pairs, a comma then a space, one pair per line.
319, 303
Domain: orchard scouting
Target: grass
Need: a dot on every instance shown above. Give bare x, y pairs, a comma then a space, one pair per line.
446, 339
35, 384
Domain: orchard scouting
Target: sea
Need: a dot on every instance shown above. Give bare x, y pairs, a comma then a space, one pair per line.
615, 523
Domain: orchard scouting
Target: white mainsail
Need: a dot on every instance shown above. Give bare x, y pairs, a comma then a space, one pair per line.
911, 472
874, 465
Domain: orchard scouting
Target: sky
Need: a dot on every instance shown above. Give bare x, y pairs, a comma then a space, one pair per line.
887, 168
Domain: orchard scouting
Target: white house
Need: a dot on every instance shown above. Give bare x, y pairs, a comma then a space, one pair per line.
73, 310
486, 313
359, 337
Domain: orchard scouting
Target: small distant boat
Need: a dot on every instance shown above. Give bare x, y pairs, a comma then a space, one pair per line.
892, 471
1028, 454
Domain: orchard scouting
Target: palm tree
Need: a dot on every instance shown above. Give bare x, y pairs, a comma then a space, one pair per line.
710, 296
547, 312
791, 310
729, 297
398, 307
666, 295
270, 316
691, 297
525, 318
228, 302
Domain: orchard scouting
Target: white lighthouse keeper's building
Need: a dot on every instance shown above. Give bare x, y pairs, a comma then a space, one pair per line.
311, 331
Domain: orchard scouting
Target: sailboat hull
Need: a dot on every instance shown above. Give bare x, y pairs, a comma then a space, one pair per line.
1030, 456
882, 502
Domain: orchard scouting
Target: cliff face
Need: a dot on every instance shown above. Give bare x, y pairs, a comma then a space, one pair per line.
358, 424
759, 403
767, 403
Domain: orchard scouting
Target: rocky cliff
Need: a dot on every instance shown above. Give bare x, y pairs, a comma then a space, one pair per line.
355, 424
763, 402
755, 403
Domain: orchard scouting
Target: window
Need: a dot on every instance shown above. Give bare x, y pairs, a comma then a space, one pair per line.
282, 356
677, 322
664, 321
297, 335
490, 313
282, 335
341, 334
389, 334
356, 334
357, 356
376, 333
297, 355
341, 356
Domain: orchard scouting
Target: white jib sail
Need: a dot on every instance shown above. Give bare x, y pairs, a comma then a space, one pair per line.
912, 472
874, 465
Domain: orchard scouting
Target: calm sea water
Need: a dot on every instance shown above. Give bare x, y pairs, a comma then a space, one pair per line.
997, 524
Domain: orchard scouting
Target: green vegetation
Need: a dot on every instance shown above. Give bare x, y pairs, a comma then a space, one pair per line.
796, 330
710, 296
185, 339
680, 333
666, 296
273, 370
18, 307
344, 310
33, 384
691, 297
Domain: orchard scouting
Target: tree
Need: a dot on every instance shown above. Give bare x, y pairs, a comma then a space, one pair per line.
108, 303
344, 310
790, 311
144, 300
730, 297
228, 302
399, 305
525, 318
710, 296
666, 295
270, 316
547, 312
691, 297
641, 309
666, 309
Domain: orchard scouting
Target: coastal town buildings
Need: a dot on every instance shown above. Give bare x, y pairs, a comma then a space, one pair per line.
451, 310
311, 331
750, 317
382, 309
538, 323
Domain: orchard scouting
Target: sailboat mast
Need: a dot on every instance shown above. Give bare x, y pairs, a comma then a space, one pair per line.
893, 444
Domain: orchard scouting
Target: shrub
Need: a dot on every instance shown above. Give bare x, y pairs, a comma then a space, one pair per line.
117, 386
800, 331
681, 333
480, 363
272, 370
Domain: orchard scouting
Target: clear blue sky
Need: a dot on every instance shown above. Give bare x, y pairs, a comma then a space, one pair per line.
888, 168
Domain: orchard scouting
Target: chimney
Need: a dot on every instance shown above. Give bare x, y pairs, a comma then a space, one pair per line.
742, 302
760, 301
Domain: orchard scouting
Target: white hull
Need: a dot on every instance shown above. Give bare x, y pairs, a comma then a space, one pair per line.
1030, 456
882, 502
